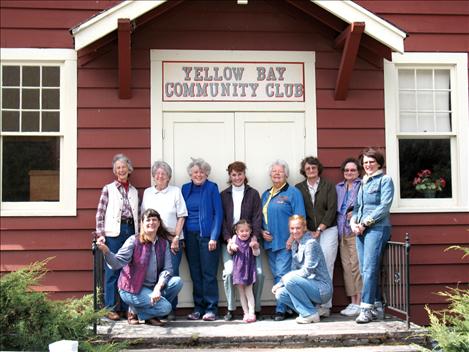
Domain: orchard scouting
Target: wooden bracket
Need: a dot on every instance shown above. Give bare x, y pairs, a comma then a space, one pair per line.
349, 39
124, 29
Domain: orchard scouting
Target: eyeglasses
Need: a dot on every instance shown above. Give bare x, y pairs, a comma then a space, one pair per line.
369, 162
350, 170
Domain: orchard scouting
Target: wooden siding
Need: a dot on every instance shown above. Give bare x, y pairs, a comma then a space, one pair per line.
107, 125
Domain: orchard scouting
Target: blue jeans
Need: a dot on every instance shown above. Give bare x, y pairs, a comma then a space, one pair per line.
228, 280
203, 267
370, 249
280, 264
176, 261
301, 295
111, 276
140, 303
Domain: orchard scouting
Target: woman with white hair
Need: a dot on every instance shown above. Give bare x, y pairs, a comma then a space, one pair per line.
116, 220
202, 229
168, 201
279, 203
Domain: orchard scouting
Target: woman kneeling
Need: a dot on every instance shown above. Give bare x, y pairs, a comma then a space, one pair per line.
308, 283
146, 283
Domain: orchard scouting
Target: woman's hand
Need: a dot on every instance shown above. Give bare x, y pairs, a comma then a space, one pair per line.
289, 242
155, 295
276, 287
101, 246
266, 235
232, 247
212, 245
175, 245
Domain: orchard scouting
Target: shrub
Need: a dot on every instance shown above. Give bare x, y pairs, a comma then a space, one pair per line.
449, 327
31, 321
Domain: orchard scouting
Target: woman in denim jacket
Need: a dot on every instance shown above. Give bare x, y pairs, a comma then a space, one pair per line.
370, 221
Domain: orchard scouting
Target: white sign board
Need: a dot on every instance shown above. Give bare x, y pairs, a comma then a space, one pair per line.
233, 81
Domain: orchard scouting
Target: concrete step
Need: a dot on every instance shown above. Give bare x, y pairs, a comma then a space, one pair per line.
381, 348
334, 331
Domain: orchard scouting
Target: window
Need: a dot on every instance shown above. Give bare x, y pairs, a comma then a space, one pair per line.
38, 132
426, 109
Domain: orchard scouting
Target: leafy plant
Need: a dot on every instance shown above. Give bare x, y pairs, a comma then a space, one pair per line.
449, 327
31, 321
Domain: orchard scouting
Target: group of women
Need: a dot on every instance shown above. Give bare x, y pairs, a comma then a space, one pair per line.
300, 228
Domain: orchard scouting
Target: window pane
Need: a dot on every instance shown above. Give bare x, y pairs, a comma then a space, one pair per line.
416, 155
30, 99
424, 79
10, 121
11, 76
10, 98
426, 123
30, 121
407, 100
50, 99
408, 122
442, 80
442, 101
50, 76
50, 122
425, 101
30, 169
31, 76
406, 79
443, 122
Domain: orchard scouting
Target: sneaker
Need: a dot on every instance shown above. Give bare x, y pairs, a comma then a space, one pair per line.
365, 316
351, 310
249, 318
378, 311
209, 316
229, 316
324, 312
194, 316
313, 318
278, 316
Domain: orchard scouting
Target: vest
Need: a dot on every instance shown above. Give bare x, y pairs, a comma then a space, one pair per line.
133, 274
112, 218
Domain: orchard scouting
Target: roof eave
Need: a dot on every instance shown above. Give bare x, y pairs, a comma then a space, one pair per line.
375, 27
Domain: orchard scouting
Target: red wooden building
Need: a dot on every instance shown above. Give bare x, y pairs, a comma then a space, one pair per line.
250, 79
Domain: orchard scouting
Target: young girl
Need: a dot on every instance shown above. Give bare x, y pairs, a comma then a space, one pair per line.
244, 252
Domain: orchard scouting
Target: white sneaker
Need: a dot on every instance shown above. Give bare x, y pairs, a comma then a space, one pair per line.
365, 316
313, 318
378, 311
324, 312
351, 310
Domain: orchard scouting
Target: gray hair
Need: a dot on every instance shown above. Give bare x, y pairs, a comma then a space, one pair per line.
281, 163
201, 164
123, 158
161, 165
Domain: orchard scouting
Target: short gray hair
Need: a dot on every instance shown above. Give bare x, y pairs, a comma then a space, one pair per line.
161, 165
201, 164
282, 163
123, 158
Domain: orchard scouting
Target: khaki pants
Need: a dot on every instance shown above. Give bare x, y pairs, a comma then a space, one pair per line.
349, 257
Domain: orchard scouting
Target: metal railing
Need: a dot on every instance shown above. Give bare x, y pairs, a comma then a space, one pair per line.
396, 278
98, 279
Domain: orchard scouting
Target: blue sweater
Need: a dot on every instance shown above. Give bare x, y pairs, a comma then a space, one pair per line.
210, 209
284, 204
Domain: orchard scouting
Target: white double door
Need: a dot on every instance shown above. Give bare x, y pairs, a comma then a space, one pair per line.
257, 138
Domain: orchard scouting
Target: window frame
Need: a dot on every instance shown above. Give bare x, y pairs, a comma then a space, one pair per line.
457, 64
66, 59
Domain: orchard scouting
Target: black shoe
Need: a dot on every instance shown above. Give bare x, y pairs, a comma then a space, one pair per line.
259, 316
278, 316
229, 315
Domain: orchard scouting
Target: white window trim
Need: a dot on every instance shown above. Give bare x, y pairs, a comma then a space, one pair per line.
67, 60
457, 62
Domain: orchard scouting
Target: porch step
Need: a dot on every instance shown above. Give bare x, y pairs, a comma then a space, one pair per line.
381, 348
334, 331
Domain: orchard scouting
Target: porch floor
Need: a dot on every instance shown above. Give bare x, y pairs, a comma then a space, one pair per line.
334, 331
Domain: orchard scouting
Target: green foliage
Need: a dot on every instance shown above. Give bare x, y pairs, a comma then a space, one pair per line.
449, 327
31, 321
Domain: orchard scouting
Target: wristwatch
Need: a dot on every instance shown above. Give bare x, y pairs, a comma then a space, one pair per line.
319, 229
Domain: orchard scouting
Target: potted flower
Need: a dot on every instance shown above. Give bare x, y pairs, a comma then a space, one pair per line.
428, 184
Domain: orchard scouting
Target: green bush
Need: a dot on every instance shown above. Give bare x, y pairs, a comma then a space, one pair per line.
31, 321
449, 328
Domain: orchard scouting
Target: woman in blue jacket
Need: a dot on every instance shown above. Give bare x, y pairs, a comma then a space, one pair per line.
279, 203
370, 221
201, 231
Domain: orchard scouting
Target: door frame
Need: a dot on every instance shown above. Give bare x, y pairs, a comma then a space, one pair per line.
157, 106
